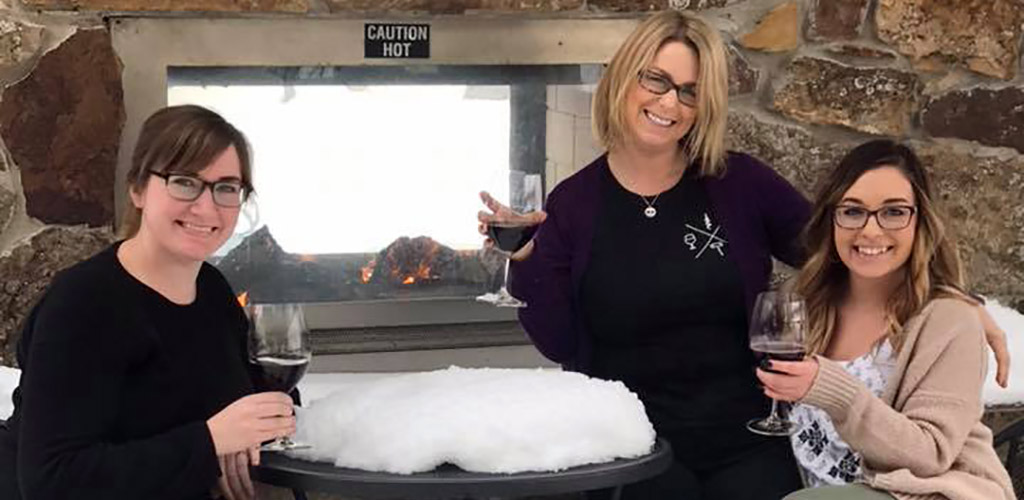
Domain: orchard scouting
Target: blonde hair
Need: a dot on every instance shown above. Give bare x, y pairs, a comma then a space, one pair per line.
932, 270
705, 142
180, 139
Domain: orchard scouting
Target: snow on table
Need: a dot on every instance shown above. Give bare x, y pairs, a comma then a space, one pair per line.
479, 419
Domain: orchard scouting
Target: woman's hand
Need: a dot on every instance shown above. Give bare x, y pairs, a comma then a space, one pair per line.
250, 421
501, 213
996, 338
234, 482
793, 380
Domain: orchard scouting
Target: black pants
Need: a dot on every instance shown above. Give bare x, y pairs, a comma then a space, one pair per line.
767, 472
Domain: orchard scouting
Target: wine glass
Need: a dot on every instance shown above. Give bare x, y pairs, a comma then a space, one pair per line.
525, 193
778, 327
279, 351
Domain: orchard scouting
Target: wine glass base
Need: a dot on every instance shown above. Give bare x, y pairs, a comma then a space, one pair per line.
771, 427
501, 299
284, 446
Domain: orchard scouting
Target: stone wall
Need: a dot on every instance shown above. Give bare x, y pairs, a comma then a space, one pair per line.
810, 79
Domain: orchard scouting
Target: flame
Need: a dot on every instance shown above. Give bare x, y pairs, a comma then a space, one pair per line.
406, 261
306, 258
243, 299
366, 272
422, 272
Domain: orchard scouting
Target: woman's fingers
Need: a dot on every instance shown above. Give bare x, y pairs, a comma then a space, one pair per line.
769, 379
222, 481
242, 474
270, 397
270, 428
997, 341
766, 378
486, 218
792, 367
491, 203
536, 217
788, 380
1003, 369
276, 424
273, 409
234, 482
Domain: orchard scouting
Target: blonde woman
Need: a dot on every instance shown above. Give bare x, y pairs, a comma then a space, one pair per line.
650, 257
891, 400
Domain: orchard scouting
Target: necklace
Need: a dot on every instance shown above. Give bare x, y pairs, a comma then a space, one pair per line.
650, 211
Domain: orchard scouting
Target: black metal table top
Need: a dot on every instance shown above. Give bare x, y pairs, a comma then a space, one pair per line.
448, 481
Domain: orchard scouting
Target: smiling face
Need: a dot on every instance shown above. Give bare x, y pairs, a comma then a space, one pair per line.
188, 231
658, 122
872, 252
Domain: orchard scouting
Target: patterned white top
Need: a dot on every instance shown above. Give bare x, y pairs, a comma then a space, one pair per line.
823, 457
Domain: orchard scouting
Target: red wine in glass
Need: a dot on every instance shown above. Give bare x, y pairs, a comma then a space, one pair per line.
279, 373
509, 237
777, 330
780, 350
279, 351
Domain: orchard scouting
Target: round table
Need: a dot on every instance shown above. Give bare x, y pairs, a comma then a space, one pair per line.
450, 482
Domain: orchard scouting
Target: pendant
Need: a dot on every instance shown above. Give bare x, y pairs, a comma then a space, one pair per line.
650, 212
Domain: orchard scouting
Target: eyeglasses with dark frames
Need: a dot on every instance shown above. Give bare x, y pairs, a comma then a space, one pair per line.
183, 187
658, 84
889, 217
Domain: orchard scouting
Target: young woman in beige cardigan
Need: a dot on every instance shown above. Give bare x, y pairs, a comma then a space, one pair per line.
891, 398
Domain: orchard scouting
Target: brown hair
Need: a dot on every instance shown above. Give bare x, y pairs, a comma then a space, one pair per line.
180, 139
932, 270
705, 142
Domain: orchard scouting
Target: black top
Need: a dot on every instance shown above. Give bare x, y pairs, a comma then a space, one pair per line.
449, 481
664, 303
117, 385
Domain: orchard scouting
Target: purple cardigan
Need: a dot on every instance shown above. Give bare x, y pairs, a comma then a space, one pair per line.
761, 212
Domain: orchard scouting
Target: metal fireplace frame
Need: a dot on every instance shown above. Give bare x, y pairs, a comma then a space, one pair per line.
149, 46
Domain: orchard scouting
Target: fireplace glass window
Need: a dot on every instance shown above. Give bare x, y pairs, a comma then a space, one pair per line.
367, 179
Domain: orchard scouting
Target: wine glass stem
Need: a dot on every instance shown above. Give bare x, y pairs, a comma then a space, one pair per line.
504, 282
774, 415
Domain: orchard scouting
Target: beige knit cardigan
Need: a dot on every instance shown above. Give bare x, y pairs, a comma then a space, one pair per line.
923, 439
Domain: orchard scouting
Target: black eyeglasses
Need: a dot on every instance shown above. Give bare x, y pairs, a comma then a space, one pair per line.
226, 193
890, 217
659, 84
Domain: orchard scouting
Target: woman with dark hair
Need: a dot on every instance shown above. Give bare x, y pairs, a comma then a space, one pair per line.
135, 380
891, 398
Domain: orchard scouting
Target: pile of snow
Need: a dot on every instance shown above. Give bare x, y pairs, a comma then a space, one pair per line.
316, 386
482, 420
1012, 322
9, 378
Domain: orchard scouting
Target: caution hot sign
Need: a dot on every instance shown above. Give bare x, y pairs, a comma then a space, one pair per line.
396, 41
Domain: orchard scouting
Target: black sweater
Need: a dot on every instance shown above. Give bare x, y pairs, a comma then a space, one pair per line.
663, 300
117, 385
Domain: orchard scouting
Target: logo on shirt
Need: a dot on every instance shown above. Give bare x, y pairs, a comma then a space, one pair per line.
701, 240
